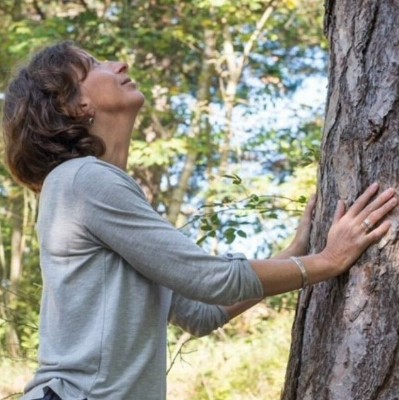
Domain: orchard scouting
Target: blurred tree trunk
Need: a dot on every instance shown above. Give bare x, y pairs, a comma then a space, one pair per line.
230, 74
21, 215
229, 69
345, 337
15, 272
201, 110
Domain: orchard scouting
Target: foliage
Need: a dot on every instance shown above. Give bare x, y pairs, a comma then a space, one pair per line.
210, 72
244, 360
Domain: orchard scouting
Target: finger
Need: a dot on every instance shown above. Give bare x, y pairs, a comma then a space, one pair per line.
377, 204
312, 200
310, 207
378, 233
362, 200
375, 216
339, 211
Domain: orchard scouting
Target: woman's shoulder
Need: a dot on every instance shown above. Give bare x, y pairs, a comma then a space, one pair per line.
92, 175
88, 174
88, 167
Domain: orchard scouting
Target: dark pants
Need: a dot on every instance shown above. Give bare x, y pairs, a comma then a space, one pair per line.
50, 395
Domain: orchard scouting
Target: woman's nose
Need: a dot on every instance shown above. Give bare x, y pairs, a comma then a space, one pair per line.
120, 67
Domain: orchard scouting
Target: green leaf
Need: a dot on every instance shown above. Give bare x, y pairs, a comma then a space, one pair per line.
215, 219
302, 199
241, 233
236, 179
272, 215
230, 235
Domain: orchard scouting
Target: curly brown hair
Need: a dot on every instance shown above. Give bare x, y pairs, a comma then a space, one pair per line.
41, 120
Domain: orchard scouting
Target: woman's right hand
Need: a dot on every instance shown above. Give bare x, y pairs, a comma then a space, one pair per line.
353, 231
350, 234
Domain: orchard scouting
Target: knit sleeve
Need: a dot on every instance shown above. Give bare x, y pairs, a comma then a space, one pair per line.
117, 216
197, 318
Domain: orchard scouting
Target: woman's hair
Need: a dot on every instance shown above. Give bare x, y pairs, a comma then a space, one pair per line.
42, 123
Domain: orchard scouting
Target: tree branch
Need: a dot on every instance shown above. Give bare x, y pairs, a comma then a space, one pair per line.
183, 340
255, 35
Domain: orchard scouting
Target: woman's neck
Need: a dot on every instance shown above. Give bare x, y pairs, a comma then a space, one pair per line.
116, 155
116, 134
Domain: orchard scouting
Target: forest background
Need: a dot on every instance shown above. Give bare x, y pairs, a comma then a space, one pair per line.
226, 148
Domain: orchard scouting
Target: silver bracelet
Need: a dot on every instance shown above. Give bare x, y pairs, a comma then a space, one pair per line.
298, 262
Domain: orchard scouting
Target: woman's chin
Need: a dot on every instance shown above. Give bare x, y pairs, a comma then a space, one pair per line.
140, 98
137, 102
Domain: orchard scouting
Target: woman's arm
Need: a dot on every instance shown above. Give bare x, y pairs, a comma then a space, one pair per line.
299, 245
348, 237
117, 217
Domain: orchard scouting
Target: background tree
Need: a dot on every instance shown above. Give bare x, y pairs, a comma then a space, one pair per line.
345, 339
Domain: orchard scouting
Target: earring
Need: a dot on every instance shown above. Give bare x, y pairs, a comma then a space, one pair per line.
91, 120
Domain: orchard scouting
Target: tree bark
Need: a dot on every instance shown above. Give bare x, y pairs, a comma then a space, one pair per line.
345, 336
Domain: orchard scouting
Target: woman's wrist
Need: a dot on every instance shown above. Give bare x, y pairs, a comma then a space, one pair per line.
280, 275
320, 267
303, 270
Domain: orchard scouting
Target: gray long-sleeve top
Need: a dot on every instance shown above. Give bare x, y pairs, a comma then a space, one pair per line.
114, 273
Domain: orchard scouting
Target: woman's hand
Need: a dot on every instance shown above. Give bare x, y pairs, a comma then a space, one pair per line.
301, 240
353, 231
300, 243
350, 234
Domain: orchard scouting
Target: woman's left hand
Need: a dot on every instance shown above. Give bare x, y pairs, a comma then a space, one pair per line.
300, 243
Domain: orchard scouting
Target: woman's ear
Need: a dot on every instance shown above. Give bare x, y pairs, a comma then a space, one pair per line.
85, 108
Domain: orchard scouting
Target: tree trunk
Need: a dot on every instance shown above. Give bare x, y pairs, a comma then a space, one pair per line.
203, 95
345, 337
229, 79
229, 72
17, 248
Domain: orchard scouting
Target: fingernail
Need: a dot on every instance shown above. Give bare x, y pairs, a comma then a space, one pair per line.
374, 185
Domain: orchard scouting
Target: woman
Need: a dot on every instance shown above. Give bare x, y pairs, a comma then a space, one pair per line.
114, 272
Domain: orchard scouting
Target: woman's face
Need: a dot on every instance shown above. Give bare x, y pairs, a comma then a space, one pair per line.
107, 88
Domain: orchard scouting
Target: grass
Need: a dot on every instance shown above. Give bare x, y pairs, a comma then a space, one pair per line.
13, 377
243, 366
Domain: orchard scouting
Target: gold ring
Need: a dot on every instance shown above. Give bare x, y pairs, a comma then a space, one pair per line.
367, 225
